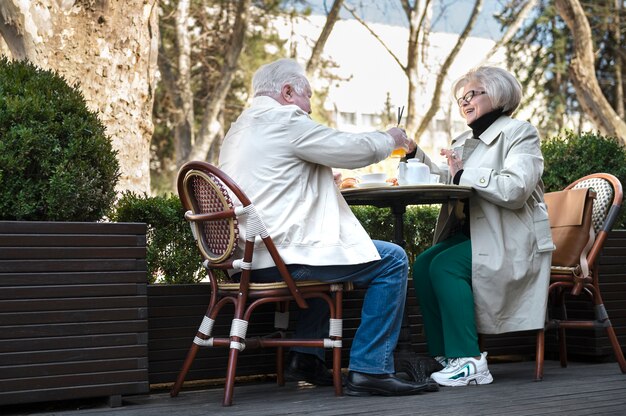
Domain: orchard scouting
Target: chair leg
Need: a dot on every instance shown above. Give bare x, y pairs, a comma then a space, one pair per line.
193, 350
229, 384
617, 349
280, 366
539, 354
562, 347
337, 371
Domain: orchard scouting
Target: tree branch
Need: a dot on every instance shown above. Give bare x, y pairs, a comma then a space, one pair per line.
512, 29
384, 45
445, 67
316, 53
582, 72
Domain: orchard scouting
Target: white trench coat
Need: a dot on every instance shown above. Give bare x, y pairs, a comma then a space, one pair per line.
510, 232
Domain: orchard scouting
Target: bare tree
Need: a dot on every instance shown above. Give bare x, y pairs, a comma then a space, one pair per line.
619, 59
211, 126
582, 72
316, 54
512, 28
443, 71
418, 18
107, 48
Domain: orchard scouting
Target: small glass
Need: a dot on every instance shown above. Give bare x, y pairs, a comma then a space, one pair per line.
400, 153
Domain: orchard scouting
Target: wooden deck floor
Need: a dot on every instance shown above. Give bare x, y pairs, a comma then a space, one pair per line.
580, 389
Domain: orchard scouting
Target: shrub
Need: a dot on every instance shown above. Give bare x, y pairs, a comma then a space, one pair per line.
419, 225
172, 255
570, 156
56, 163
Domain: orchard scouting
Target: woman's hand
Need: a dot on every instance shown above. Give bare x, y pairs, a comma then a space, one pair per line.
455, 163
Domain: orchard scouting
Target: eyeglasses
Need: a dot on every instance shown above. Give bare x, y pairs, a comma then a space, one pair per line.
468, 96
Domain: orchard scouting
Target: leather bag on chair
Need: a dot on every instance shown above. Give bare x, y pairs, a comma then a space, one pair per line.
570, 213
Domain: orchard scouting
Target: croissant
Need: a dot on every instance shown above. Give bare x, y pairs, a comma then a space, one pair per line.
348, 183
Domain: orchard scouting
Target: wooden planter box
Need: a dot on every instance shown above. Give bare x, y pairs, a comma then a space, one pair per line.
175, 311
73, 311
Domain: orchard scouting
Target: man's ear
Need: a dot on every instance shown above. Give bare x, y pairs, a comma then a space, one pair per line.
286, 93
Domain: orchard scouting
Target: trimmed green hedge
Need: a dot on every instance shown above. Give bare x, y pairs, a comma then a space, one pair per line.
570, 156
56, 162
172, 255
419, 225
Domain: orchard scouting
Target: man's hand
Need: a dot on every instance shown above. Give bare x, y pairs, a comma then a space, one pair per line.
337, 178
400, 139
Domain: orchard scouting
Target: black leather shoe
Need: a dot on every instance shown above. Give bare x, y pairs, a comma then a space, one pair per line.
309, 368
361, 384
418, 368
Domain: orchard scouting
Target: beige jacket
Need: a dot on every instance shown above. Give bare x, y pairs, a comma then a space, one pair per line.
511, 240
282, 160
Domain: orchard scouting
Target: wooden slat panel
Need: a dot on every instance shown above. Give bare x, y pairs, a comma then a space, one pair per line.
52, 227
71, 380
73, 310
73, 278
74, 253
73, 392
67, 291
70, 265
89, 341
72, 240
76, 367
69, 304
30, 331
61, 317
68, 355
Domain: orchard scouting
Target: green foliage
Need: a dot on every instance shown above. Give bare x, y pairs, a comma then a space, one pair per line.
419, 225
172, 254
56, 163
570, 156
540, 52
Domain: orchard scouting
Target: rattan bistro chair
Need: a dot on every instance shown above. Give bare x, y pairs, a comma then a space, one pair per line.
208, 195
568, 281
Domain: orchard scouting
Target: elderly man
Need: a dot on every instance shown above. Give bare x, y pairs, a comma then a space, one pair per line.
283, 160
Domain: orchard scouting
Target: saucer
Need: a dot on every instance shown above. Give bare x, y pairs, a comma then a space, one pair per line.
373, 184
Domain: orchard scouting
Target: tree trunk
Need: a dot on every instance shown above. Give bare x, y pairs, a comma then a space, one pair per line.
316, 53
443, 71
619, 88
109, 48
210, 122
582, 72
184, 129
416, 16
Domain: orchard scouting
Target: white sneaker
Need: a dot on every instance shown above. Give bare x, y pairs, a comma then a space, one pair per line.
464, 371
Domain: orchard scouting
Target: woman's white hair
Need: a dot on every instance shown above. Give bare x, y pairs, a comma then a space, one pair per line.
503, 89
270, 78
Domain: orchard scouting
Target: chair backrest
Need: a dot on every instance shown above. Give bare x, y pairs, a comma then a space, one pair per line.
203, 191
608, 199
606, 205
207, 195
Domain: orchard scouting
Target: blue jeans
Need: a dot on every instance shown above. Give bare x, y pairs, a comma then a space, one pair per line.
383, 306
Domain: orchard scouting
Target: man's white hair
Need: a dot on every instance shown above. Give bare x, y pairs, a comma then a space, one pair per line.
270, 78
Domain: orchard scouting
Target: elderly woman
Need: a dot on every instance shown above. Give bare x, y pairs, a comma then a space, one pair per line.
489, 269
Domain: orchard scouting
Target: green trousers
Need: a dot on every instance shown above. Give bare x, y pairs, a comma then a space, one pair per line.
442, 276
